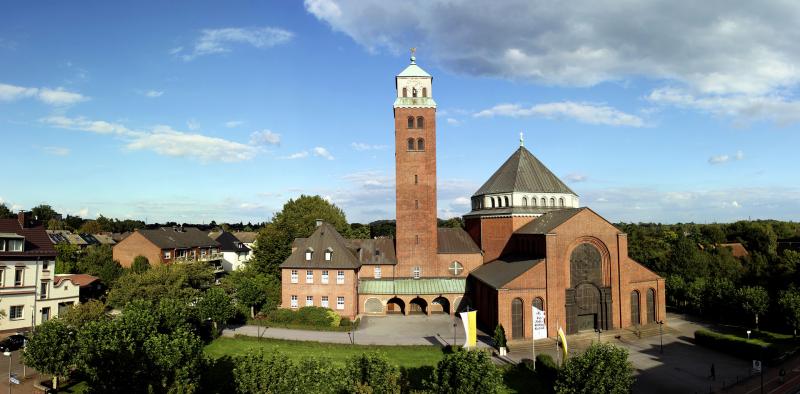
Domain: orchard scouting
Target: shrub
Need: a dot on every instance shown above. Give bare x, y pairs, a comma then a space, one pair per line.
748, 349
602, 368
334, 318
499, 336
466, 371
546, 369
345, 322
261, 372
371, 373
313, 316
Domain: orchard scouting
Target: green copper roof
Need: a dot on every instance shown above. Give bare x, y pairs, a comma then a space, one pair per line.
413, 70
411, 102
413, 286
523, 172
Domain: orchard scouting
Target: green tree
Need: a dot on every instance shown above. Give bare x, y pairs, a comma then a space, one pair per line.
466, 371
603, 368
98, 260
43, 213
140, 264
499, 336
297, 219
81, 314
178, 356
6, 213
55, 224
176, 281
90, 227
261, 372
217, 306
753, 300
51, 349
371, 372
254, 291
67, 258
789, 301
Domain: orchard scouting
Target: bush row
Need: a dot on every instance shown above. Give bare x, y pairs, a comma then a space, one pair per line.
747, 349
313, 316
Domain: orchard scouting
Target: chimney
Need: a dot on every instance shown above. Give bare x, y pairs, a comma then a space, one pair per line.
319, 222
21, 219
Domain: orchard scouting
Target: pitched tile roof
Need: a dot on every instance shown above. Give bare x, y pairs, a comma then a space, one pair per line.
228, 242
378, 251
324, 237
247, 237
736, 248
37, 243
178, 238
500, 272
523, 172
455, 240
80, 280
548, 222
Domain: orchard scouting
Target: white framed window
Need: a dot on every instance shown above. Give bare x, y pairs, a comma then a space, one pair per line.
324, 303
294, 302
2, 276
377, 272
15, 312
45, 314
167, 254
309, 254
339, 303
2, 245
294, 276
309, 276
416, 272
328, 255
309, 300
339, 277
324, 277
45, 265
15, 245
43, 290
19, 276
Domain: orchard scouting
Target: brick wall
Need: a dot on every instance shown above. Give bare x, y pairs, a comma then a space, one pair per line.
136, 245
317, 289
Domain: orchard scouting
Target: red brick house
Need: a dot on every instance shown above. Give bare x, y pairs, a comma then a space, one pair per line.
167, 245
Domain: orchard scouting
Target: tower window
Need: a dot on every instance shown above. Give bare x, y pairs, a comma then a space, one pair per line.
492, 202
561, 202
420, 122
544, 202
410, 144
552, 202
420, 144
524, 201
533, 201
424, 92
507, 204
416, 204
413, 92
405, 92
416, 179
410, 122
417, 239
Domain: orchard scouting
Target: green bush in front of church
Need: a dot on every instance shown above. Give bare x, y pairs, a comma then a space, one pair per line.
466, 371
499, 336
603, 368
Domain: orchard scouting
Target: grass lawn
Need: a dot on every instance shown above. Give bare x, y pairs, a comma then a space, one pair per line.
403, 356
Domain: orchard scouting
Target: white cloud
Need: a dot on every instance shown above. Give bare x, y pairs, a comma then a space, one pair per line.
453, 121
233, 123
265, 137
360, 146
462, 201
298, 155
582, 112
575, 177
163, 140
213, 41
739, 155
772, 107
83, 212
322, 152
719, 159
154, 93
193, 124
55, 97
56, 150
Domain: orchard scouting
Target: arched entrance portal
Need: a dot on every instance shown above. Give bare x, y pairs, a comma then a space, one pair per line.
418, 305
588, 300
395, 305
440, 305
373, 306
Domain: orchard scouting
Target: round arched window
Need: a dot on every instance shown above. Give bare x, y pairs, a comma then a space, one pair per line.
456, 268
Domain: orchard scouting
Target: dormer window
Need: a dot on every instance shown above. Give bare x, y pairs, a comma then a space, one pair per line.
12, 244
309, 254
328, 254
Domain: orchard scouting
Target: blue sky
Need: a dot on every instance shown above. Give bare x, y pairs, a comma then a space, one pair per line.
193, 111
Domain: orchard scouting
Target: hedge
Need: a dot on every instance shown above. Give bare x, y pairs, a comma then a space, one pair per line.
747, 349
314, 316
546, 369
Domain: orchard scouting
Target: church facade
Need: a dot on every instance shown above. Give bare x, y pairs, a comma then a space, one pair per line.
526, 242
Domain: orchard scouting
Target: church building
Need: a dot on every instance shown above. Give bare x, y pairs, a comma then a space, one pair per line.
526, 242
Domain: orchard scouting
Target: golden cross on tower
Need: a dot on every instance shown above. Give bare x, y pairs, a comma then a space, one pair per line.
413, 51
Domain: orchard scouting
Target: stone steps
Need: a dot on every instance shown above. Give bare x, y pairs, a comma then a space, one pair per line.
582, 341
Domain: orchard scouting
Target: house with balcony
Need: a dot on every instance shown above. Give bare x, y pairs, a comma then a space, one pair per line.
167, 245
234, 251
30, 292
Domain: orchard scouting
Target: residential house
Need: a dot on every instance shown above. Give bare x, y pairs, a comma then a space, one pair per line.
30, 292
168, 245
234, 252
248, 238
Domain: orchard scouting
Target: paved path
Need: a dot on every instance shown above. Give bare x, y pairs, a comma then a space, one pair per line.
374, 330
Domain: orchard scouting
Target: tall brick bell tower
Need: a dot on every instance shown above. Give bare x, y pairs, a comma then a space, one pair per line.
415, 162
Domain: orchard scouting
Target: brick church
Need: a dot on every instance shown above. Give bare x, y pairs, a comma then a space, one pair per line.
526, 242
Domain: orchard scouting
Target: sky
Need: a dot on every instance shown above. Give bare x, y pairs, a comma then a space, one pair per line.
657, 111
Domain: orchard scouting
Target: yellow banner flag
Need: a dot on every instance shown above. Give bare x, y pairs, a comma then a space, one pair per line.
470, 322
563, 339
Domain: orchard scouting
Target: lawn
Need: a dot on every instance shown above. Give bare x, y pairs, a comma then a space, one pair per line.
403, 356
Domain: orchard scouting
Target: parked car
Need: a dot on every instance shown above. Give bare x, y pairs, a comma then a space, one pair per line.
13, 342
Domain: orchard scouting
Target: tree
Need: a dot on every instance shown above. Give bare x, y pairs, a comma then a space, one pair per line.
454, 222
789, 301
6, 213
55, 224
98, 260
217, 306
253, 290
43, 213
754, 300
466, 371
79, 315
297, 219
90, 227
499, 336
67, 258
51, 349
371, 372
177, 281
603, 368
140, 264
261, 372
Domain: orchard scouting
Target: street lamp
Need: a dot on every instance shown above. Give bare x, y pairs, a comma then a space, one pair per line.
8, 354
661, 334
748, 334
598, 331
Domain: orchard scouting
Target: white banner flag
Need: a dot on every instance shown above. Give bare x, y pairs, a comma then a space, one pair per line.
539, 324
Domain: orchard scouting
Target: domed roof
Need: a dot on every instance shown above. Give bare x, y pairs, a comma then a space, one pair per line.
523, 172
